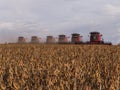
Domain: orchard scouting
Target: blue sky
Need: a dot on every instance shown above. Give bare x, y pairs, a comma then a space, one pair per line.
53, 17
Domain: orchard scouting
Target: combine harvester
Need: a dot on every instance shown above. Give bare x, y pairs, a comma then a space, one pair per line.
50, 40
63, 39
21, 40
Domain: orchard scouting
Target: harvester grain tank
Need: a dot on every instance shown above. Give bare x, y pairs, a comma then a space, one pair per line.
35, 39
62, 39
50, 40
21, 40
76, 38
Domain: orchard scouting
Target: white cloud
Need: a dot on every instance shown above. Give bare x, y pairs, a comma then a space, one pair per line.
6, 25
112, 10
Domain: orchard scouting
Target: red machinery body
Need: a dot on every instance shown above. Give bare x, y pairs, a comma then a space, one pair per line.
50, 40
35, 39
21, 40
62, 39
76, 38
95, 38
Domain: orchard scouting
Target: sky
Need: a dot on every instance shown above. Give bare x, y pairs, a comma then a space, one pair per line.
53, 17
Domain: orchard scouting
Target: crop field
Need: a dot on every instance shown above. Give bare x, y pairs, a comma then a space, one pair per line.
59, 67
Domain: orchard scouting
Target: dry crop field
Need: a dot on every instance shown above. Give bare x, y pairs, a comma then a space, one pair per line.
59, 67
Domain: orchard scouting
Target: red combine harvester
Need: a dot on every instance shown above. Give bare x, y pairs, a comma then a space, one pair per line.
76, 38
21, 40
50, 40
63, 39
96, 38
35, 39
